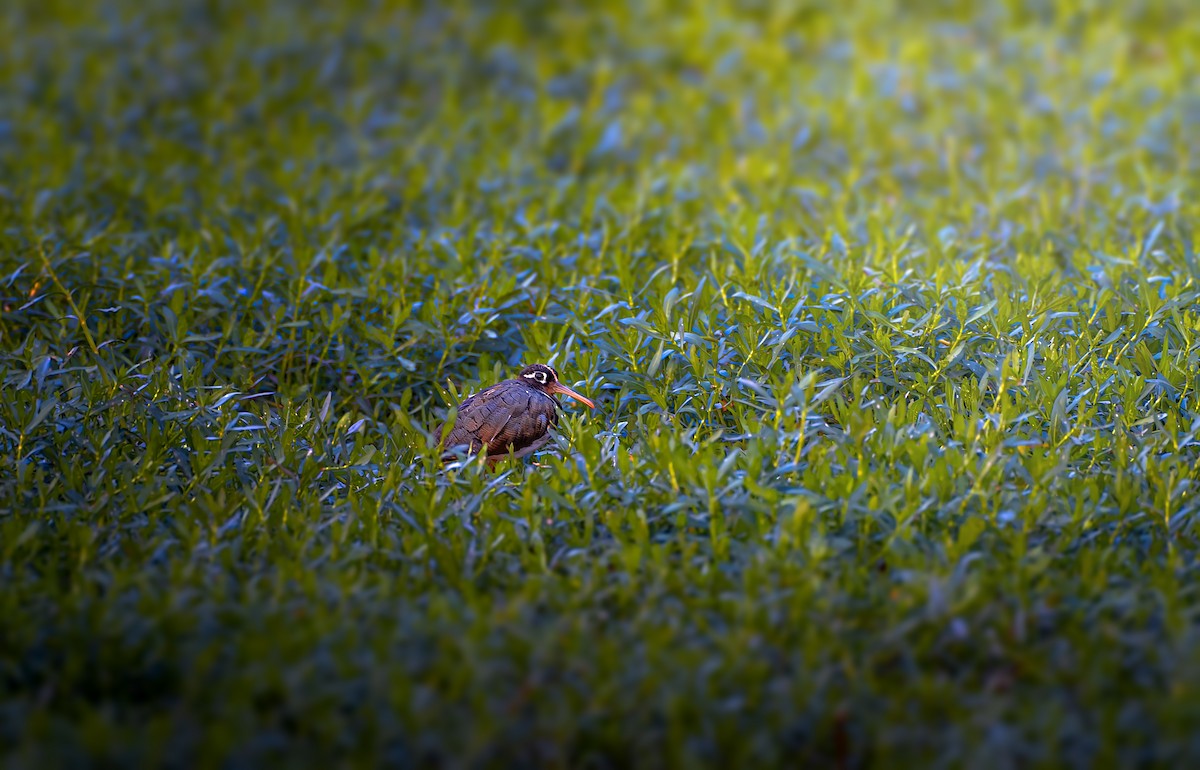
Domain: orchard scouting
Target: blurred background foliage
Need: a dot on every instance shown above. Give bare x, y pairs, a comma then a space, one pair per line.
890, 310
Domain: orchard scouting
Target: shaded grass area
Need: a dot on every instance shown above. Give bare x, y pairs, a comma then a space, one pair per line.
891, 318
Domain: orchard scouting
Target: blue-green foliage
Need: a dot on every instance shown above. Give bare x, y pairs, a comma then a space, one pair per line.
890, 314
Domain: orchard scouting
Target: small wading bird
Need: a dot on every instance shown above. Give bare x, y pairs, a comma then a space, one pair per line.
515, 415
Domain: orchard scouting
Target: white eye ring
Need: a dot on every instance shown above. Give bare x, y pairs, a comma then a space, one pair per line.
541, 377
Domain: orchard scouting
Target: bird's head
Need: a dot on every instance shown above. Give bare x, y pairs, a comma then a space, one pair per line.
545, 379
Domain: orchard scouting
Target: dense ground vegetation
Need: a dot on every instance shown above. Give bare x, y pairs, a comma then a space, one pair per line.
891, 317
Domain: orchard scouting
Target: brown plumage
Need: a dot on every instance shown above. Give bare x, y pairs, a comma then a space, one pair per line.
515, 415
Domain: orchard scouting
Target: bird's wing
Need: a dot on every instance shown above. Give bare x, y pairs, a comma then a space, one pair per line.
528, 422
505, 415
472, 415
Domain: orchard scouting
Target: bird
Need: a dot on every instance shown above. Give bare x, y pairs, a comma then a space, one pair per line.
511, 416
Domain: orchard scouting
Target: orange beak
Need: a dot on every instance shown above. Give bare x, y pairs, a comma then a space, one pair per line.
558, 387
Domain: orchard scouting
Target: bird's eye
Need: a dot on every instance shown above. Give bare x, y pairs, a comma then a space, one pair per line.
541, 377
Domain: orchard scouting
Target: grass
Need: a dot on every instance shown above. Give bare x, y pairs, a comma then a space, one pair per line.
891, 316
